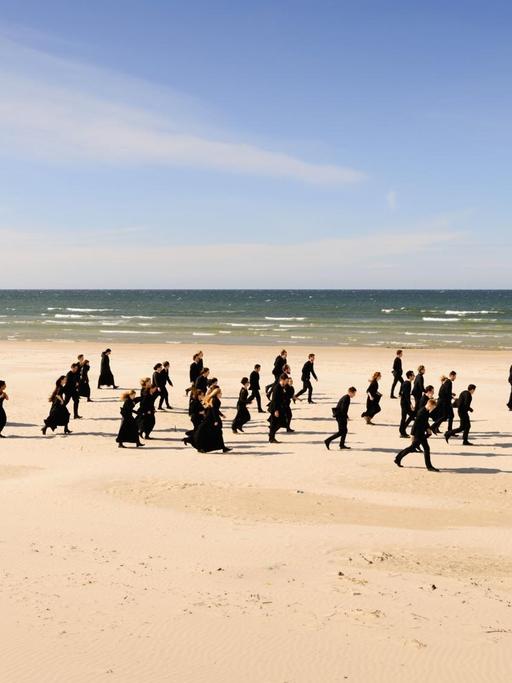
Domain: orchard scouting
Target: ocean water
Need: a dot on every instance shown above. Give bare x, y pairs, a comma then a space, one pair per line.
476, 319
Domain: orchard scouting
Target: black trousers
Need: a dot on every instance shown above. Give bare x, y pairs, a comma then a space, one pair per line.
397, 379
164, 398
407, 418
275, 424
269, 387
341, 433
464, 427
76, 400
446, 413
255, 394
306, 386
509, 404
417, 441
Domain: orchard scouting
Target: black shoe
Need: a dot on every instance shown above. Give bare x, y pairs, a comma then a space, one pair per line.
2, 436
226, 449
140, 445
116, 387
327, 444
235, 431
77, 417
68, 431
89, 400
447, 437
186, 441
311, 401
467, 443
273, 441
121, 445
290, 431
398, 462
435, 430
393, 397
344, 448
404, 436
262, 411
432, 469
43, 429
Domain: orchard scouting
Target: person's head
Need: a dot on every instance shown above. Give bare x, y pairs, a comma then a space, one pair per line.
166, 364
471, 388
290, 381
429, 391
409, 374
213, 382
421, 369
205, 372
153, 388
61, 382
244, 381
257, 367
286, 369
75, 367
431, 404
352, 392
284, 353
452, 375
3, 385
144, 381
283, 379
199, 355
311, 357
128, 394
194, 358
107, 352
157, 367
399, 353
80, 357
376, 376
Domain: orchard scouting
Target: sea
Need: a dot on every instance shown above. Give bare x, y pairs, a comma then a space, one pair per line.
473, 319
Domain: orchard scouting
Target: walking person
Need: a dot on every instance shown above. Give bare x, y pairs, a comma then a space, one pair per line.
277, 409
146, 412
419, 386
254, 386
129, 431
308, 370
106, 378
162, 386
445, 397
420, 433
72, 389
463, 409
84, 388
289, 396
3, 416
209, 436
242, 413
509, 404
196, 411
397, 373
340, 412
277, 370
59, 414
406, 404
373, 397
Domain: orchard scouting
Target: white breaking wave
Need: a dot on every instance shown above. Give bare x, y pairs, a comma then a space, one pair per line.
88, 310
442, 320
268, 317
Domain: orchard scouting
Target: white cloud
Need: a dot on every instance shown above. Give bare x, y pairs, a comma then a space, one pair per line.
391, 199
65, 112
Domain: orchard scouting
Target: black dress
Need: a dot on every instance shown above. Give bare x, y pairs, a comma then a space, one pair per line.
242, 413
84, 387
373, 400
128, 431
3, 416
146, 413
509, 404
208, 436
196, 411
59, 414
106, 377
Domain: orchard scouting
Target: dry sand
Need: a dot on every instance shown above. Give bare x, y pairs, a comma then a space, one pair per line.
275, 564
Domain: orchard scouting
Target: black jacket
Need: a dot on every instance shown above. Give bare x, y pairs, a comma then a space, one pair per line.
464, 403
418, 387
341, 410
405, 396
278, 400
279, 364
307, 371
254, 381
397, 366
420, 426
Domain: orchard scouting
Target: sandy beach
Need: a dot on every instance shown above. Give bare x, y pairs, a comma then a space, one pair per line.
273, 563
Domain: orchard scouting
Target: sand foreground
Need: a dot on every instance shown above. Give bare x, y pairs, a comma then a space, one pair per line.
276, 564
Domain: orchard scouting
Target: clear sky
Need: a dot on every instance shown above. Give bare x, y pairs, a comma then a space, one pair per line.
255, 144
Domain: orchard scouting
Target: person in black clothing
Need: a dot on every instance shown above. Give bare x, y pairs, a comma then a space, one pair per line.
397, 373
427, 394
162, 386
308, 370
341, 415
157, 369
254, 386
418, 387
3, 416
420, 432
277, 408
72, 389
242, 413
84, 388
463, 408
128, 431
146, 412
106, 377
406, 404
373, 397
289, 395
196, 411
59, 414
202, 380
509, 404
277, 370
195, 370
209, 433
444, 409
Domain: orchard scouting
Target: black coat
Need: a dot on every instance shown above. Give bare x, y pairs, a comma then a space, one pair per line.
419, 387
464, 403
242, 413
128, 431
3, 416
307, 371
202, 383
279, 364
279, 403
106, 377
341, 410
84, 388
405, 396
372, 401
208, 436
254, 381
420, 427
59, 414
146, 413
397, 367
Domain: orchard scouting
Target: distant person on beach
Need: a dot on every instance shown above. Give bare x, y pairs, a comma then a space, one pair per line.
509, 404
3, 416
106, 378
72, 389
84, 388
463, 409
418, 387
242, 413
406, 404
277, 370
128, 431
397, 373
165, 380
373, 397
340, 413
308, 370
277, 408
289, 395
444, 410
420, 433
59, 414
254, 386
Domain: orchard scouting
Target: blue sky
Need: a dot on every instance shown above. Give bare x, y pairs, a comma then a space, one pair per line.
337, 144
